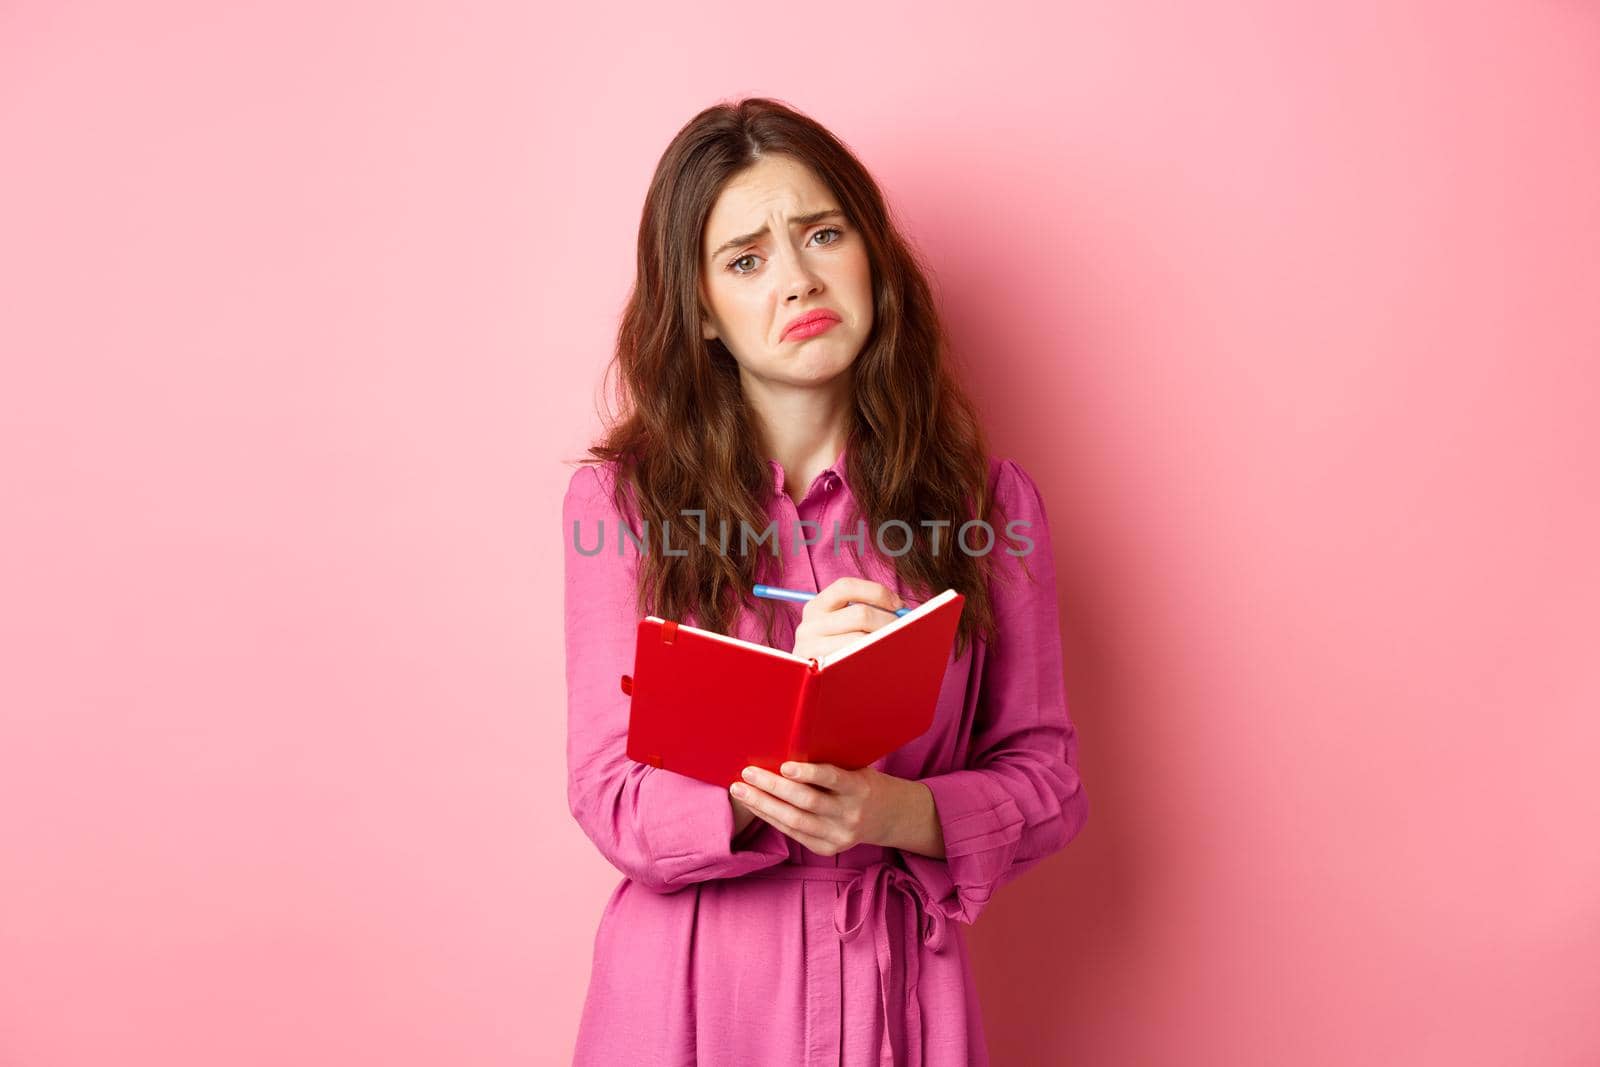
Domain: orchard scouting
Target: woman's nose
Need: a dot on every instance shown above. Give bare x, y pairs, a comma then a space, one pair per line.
798, 278
799, 282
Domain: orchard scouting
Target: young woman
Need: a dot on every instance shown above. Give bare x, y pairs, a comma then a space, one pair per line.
781, 359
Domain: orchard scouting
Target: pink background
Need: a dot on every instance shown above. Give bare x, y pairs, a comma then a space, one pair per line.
1292, 309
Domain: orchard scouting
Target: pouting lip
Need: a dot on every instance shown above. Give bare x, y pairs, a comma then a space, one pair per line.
811, 316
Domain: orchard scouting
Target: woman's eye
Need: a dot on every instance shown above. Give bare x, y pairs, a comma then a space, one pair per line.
734, 267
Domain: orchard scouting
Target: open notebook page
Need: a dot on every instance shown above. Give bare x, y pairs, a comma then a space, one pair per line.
838, 654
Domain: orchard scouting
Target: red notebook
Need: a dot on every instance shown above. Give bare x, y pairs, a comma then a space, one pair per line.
708, 706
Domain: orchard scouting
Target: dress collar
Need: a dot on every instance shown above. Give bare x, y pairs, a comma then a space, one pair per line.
835, 470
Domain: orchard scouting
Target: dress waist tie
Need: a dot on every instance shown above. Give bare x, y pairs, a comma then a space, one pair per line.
924, 923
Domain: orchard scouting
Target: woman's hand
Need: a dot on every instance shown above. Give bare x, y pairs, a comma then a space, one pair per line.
830, 620
829, 809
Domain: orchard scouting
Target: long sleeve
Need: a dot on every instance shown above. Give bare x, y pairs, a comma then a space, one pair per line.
1018, 799
662, 829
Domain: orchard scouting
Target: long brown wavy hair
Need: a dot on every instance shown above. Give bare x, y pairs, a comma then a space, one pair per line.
683, 438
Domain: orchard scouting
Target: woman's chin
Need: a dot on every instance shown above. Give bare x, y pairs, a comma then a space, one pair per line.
809, 365
814, 372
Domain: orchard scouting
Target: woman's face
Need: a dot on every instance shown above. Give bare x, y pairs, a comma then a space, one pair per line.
768, 257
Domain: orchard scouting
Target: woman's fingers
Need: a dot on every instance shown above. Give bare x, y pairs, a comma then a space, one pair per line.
819, 845
842, 613
800, 794
853, 619
795, 822
842, 591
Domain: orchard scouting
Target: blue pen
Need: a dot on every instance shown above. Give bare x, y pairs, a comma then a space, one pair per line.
800, 596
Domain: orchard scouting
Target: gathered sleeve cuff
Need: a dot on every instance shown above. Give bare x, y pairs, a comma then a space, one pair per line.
662, 829
1019, 798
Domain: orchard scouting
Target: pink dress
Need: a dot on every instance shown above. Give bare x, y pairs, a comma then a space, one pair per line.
761, 952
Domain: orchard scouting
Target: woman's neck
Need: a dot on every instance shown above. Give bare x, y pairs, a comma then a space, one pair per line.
803, 429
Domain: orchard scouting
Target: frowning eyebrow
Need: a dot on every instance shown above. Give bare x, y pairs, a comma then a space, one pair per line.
798, 220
